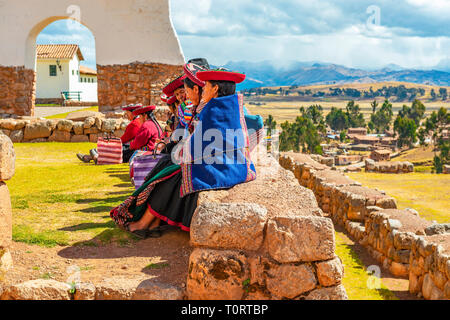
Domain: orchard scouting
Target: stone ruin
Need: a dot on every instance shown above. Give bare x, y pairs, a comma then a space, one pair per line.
84, 126
403, 243
389, 166
267, 239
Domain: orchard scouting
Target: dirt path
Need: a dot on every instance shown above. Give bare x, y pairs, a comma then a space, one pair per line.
42, 112
398, 286
165, 259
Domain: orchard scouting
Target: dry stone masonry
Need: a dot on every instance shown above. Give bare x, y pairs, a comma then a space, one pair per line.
18, 91
120, 85
7, 169
84, 126
389, 167
402, 242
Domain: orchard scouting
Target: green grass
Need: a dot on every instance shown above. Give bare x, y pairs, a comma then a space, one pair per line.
157, 266
58, 200
356, 276
424, 192
64, 115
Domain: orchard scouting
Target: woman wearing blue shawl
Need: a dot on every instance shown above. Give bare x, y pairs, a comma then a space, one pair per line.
199, 162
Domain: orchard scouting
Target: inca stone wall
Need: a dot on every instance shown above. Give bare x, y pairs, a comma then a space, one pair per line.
17, 91
250, 249
7, 169
79, 127
389, 166
120, 85
402, 242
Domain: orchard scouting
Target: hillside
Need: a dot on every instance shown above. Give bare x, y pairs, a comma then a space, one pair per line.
265, 74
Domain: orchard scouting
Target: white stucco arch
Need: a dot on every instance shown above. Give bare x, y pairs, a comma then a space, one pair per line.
126, 32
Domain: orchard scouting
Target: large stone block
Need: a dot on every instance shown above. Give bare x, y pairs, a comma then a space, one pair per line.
7, 158
38, 290
216, 275
430, 290
300, 239
38, 129
79, 138
332, 293
330, 272
65, 125
229, 226
5, 216
288, 281
60, 136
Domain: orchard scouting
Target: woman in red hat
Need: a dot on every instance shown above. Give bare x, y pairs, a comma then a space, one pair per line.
150, 132
128, 136
170, 192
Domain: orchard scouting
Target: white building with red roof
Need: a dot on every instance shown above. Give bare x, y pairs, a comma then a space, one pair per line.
59, 74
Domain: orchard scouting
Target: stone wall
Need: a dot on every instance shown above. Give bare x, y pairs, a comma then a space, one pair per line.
17, 93
120, 85
389, 166
391, 236
7, 169
251, 249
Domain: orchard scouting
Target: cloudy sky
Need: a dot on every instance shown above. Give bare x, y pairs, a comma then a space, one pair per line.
354, 33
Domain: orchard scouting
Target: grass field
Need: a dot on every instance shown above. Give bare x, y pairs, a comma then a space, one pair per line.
59, 201
288, 111
429, 194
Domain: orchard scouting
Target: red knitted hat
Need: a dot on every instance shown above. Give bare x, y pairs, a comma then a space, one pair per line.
132, 107
220, 75
191, 70
143, 110
174, 85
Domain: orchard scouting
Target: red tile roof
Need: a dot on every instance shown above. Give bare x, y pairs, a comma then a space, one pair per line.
58, 51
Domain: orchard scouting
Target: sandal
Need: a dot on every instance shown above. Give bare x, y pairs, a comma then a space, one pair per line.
141, 234
84, 158
154, 233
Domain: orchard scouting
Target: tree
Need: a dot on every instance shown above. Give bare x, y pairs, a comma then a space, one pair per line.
374, 104
416, 112
380, 120
406, 129
443, 93
433, 95
355, 117
337, 119
270, 124
302, 135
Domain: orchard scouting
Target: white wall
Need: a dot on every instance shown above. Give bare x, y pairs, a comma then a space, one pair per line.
125, 30
51, 87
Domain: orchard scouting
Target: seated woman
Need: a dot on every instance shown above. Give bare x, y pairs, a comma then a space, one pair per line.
170, 192
150, 132
128, 136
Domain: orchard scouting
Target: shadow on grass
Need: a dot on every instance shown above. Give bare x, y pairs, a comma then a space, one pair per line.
88, 226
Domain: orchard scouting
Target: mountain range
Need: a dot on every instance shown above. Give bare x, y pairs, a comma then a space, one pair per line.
267, 74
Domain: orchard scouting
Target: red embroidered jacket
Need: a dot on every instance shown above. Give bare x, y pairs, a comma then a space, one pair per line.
146, 136
131, 131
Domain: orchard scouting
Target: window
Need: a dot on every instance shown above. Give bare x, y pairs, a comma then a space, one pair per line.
73, 72
52, 71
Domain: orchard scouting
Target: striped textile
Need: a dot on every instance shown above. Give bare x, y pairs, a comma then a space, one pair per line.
109, 151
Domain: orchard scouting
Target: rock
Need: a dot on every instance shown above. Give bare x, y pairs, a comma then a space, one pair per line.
136, 289
437, 229
290, 281
78, 128
93, 138
89, 122
65, 125
415, 283
92, 130
37, 130
429, 290
8, 124
109, 125
5, 132
387, 203
98, 123
5, 216
216, 275
399, 269
60, 136
85, 291
332, 293
300, 239
403, 240
79, 138
447, 290
6, 263
119, 133
330, 272
439, 279
38, 290
394, 224
16, 136
7, 158
228, 226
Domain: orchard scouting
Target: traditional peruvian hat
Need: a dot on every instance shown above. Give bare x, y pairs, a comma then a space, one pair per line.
174, 85
191, 69
132, 107
168, 100
220, 75
143, 110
